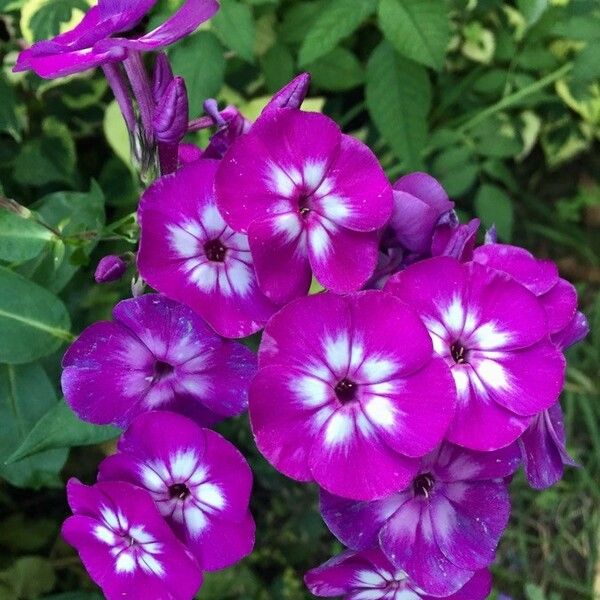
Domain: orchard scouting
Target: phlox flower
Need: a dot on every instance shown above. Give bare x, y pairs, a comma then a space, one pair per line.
156, 353
199, 482
369, 575
444, 527
95, 40
348, 393
309, 198
125, 544
188, 252
493, 333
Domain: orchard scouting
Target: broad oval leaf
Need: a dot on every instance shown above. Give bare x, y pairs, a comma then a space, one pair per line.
494, 207
60, 428
337, 71
33, 321
25, 395
21, 239
235, 26
418, 29
398, 98
336, 21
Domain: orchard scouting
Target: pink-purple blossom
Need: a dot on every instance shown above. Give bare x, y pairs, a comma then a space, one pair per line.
199, 482
369, 575
443, 527
311, 200
95, 40
349, 394
493, 334
189, 253
125, 544
157, 353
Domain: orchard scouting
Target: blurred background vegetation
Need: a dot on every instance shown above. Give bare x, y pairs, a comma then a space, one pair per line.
498, 99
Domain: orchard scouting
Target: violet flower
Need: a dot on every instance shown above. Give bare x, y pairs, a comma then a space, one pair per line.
94, 41
444, 527
199, 482
110, 268
309, 197
359, 396
157, 353
125, 544
189, 253
369, 575
493, 334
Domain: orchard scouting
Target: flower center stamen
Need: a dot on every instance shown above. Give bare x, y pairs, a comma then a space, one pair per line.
423, 484
303, 204
459, 353
179, 491
162, 369
346, 390
215, 251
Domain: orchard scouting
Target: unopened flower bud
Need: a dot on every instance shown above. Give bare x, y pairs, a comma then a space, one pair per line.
171, 116
161, 77
290, 96
110, 268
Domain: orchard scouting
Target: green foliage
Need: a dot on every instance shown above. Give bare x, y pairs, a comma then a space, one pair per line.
499, 99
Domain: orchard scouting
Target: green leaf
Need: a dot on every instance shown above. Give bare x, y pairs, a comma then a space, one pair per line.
418, 29
398, 95
277, 67
75, 596
456, 168
494, 207
337, 71
50, 158
23, 533
25, 395
27, 578
43, 19
9, 121
532, 10
234, 24
298, 20
21, 239
586, 67
60, 428
116, 132
33, 321
73, 213
199, 59
335, 22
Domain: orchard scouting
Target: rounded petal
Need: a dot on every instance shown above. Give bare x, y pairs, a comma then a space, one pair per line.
477, 588
560, 304
278, 245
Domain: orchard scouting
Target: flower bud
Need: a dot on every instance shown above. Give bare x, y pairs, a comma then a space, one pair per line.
171, 115
290, 96
161, 77
110, 268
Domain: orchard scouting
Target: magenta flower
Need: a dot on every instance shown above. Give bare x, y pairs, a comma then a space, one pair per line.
444, 527
189, 253
543, 448
348, 393
94, 42
125, 544
369, 575
156, 354
493, 334
199, 481
557, 296
309, 197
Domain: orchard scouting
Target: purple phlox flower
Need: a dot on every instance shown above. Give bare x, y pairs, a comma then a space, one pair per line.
291, 95
420, 205
359, 395
110, 268
199, 481
444, 527
125, 544
93, 41
309, 197
543, 448
188, 252
455, 239
557, 296
493, 334
420, 202
369, 575
156, 353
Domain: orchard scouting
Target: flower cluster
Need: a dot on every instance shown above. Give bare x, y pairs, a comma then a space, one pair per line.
410, 388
